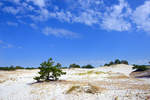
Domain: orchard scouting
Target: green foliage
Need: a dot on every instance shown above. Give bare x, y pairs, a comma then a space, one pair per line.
74, 66
49, 71
30, 68
124, 62
117, 61
11, 68
140, 67
88, 66
19, 67
37, 78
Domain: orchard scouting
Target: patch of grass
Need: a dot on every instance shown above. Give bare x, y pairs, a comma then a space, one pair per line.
2, 81
81, 73
100, 72
91, 72
118, 77
116, 98
92, 89
72, 89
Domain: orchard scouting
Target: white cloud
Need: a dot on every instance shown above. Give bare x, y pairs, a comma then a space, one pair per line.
1, 4
59, 32
34, 26
115, 17
88, 18
8, 46
4, 44
12, 24
39, 3
43, 15
141, 17
11, 10
1, 41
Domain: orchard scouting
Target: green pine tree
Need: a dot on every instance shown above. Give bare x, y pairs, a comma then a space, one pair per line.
49, 71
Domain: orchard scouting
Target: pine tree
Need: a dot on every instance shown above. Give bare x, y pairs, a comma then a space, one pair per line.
49, 71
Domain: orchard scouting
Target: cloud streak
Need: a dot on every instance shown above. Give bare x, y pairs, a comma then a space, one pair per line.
58, 32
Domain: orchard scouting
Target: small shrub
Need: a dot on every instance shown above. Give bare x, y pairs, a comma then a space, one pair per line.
74, 66
124, 62
88, 66
117, 61
140, 67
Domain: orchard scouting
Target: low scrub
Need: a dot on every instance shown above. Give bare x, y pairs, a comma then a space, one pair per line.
74, 66
88, 66
91, 72
117, 61
92, 89
140, 67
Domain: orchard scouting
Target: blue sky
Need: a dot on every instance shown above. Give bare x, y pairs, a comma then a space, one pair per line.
74, 31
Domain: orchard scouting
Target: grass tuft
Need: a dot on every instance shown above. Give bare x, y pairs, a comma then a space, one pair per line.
73, 88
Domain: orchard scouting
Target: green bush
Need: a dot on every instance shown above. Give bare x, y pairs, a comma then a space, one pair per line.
74, 66
11, 68
88, 66
124, 62
140, 67
117, 61
49, 71
19, 67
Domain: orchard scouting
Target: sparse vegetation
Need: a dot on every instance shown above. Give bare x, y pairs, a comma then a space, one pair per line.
88, 66
91, 72
117, 61
140, 67
49, 71
74, 66
72, 89
12, 68
92, 89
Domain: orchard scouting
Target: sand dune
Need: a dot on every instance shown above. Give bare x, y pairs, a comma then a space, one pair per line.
103, 83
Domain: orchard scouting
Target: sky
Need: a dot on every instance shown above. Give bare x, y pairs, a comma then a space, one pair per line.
74, 31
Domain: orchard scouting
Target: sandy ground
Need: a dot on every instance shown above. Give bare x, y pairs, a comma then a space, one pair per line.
104, 83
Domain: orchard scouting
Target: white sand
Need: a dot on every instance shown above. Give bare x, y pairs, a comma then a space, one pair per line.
113, 83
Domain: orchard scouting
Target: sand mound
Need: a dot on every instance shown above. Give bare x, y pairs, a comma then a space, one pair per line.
141, 74
119, 68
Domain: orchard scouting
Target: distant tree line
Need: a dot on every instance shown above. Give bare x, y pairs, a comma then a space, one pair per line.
11, 68
88, 66
117, 61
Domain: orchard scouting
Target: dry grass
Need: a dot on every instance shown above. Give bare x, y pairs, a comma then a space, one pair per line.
73, 88
118, 77
2, 81
92, 89
116, 98
91, 72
